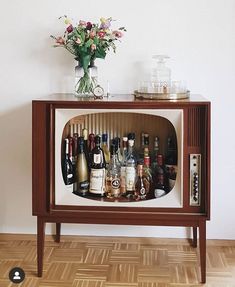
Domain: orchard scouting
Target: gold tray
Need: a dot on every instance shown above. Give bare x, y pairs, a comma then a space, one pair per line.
162, 96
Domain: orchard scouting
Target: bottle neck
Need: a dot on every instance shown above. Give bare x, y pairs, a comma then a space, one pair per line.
81, 148
67, 147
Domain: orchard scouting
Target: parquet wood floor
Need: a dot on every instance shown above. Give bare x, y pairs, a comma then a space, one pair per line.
116, 262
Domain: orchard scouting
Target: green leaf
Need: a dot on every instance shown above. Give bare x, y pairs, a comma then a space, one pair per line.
88, 43
100, 53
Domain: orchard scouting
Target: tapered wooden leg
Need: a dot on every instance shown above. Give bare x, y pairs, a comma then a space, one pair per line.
58, 228
194, 236
202, 243
40, 243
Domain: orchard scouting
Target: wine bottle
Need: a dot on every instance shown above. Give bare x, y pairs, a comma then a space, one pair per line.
67, 167
171, 155
160, 178
155, 153
97, 174
82, 170
85, 136
90, 148
123, 165
113, 177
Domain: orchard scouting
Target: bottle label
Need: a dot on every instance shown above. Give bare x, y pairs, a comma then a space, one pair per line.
70, 175
115, 183
83, 186
130, 178
97, 158
97, 181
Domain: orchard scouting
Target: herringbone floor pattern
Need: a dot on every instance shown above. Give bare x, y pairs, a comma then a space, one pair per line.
116, 262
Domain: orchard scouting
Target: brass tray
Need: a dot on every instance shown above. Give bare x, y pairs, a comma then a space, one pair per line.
162, 96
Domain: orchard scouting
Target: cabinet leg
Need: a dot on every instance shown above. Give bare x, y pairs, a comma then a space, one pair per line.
40, 244
202, 244
58, 228
194, 236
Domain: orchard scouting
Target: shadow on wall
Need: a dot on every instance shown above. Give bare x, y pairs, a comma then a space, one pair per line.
15, 169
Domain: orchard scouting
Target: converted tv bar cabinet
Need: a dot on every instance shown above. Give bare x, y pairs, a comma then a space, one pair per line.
187, 205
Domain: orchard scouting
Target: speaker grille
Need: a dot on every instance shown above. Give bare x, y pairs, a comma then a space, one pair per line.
194, 126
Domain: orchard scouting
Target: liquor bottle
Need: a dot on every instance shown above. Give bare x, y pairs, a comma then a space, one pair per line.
131, 136
75, 142
148, 174
97, 174
105, 148
123, 165
82, 169
155, 153
67, 167
71, 155
171, 155
171, 162
113, 176
142, 184
116, 141
160, 187
75, 155
130, 170
90, 148
85, 136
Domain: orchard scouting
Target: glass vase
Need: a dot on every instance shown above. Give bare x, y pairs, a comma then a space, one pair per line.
85, 81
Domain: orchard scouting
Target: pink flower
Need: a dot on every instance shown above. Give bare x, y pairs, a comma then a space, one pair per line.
92, 34
101, 34
70, 28
82, 23
78, 41
60, 41
93, 47
117, 34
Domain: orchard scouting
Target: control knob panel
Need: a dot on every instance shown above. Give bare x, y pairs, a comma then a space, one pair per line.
195, 179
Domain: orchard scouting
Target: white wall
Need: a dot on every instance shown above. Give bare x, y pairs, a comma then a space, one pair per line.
199, 35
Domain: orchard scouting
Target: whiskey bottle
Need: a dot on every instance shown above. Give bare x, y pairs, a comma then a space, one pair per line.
148, 174
142, 184
113, 176
82, 170
97, 174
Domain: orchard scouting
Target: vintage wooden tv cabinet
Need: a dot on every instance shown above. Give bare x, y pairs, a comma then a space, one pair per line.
195, 134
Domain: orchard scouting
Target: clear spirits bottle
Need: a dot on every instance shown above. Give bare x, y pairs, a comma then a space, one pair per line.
113, 176
130, 170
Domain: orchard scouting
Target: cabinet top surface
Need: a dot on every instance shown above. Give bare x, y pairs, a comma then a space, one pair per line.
127, 98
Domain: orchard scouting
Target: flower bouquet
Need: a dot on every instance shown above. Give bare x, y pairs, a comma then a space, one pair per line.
88, 41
